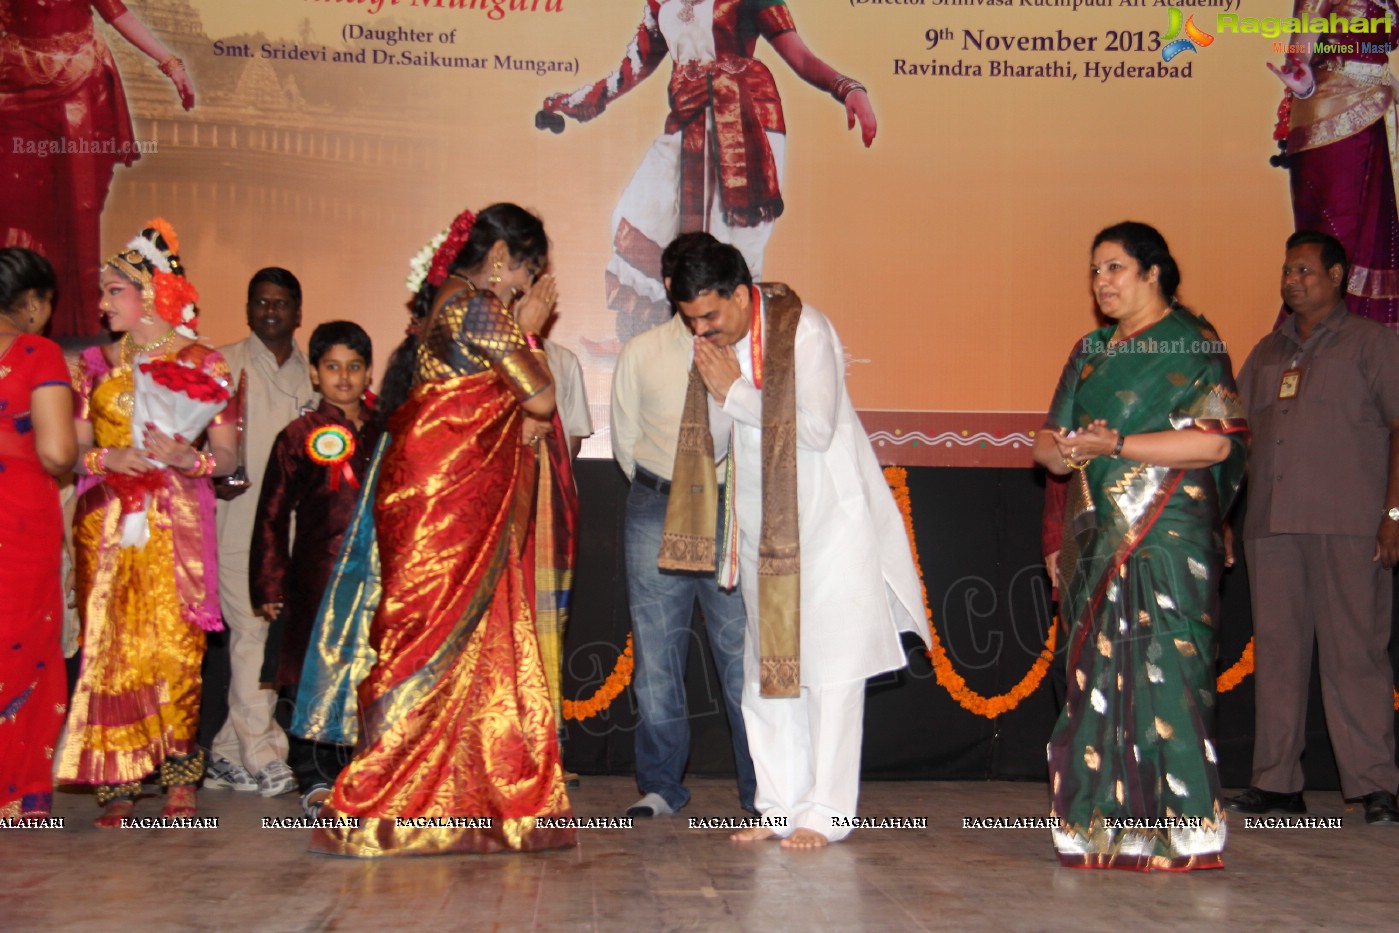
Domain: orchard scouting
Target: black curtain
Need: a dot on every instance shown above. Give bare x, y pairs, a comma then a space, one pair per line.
978, 537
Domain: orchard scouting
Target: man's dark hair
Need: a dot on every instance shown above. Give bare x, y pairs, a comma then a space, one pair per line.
700, 263
1332, 252
339, 333
276, 275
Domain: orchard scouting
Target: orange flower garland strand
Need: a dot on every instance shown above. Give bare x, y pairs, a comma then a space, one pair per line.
1241, 668
946, 674
612, 687
1244, 667
943, 670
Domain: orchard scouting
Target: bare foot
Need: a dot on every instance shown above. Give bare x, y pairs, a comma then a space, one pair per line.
753, 834
113, 813
805, 839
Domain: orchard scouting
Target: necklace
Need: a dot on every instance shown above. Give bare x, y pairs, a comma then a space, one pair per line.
130, 349
154, 344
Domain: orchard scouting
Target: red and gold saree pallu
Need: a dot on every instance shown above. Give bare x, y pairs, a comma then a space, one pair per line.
457, 751
1133, 768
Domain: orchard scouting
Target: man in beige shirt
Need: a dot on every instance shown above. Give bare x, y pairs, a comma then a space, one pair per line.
648, 395
249, 753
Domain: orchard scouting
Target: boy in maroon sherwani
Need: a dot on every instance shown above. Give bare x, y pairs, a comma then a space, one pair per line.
314, 474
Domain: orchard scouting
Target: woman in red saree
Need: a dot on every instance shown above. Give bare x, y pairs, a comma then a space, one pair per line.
66, 126
457, 747
37, 443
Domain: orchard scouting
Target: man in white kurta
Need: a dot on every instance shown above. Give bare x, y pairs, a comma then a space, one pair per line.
859, 588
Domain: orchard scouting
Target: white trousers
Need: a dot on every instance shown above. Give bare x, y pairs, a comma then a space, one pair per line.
806, 752
250, 736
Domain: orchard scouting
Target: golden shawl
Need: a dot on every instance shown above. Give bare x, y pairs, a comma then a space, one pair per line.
687, 543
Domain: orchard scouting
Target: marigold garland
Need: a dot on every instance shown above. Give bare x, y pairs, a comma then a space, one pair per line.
946, 674
611, 688
943, 670
1235, 675
1244, 666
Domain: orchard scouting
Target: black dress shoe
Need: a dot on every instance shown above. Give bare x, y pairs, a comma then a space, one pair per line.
1380, 808
1255, 800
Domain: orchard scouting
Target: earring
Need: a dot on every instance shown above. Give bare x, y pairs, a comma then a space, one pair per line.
495, 274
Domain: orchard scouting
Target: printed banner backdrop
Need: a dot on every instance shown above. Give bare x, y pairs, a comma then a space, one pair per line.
335, 137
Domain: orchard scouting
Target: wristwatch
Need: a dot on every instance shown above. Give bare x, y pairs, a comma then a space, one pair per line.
1392, 514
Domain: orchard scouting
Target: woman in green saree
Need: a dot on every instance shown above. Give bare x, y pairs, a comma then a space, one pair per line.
1147, 418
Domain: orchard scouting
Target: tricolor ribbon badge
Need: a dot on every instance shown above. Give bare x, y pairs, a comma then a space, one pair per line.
1194, 37
332, 446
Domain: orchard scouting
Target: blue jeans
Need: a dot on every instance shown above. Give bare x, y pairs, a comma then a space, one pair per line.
661, 607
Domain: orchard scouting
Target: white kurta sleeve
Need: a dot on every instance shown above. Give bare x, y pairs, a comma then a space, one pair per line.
820, 381
820, 385
744, 403
720, 428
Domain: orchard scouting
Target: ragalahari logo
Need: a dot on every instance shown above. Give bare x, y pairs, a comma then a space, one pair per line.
1194, 37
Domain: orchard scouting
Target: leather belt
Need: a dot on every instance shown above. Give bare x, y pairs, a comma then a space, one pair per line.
651, 481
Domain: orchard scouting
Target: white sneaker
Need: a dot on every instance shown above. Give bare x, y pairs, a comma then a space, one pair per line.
275, 779
225, 774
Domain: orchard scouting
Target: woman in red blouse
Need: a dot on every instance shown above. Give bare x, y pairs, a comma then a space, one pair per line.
37, 443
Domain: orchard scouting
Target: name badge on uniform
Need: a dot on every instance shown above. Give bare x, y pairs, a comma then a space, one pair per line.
1290, 383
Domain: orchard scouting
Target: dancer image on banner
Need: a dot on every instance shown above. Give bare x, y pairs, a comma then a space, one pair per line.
1340, 150
717, 167
65, 123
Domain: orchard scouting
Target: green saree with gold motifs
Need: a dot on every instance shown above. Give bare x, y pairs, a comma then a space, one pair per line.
1131, 760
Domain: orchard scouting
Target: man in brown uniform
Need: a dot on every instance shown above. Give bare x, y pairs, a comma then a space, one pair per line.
1322, 534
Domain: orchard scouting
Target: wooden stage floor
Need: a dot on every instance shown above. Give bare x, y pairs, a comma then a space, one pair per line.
662, 875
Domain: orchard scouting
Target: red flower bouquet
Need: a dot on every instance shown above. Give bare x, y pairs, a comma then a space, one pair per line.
178, 400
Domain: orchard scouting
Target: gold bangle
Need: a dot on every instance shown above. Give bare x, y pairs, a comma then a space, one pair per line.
1077, 465
204, 465
171, 65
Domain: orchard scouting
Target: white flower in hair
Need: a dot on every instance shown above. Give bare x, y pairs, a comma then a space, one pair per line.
148, 250
186, 326
419, 265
